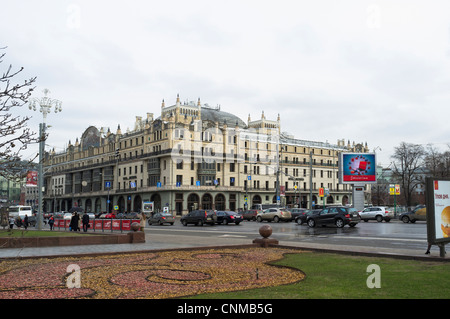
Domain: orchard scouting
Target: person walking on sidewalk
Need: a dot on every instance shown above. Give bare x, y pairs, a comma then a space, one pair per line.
51, 221
74, 222
85, 220
25, 222
142, 219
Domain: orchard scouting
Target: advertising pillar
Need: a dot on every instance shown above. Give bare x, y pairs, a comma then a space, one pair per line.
438, 212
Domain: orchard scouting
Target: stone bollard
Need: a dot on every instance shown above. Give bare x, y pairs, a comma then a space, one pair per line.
265, 231
136, 236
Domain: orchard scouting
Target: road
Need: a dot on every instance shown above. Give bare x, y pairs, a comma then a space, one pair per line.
382, 237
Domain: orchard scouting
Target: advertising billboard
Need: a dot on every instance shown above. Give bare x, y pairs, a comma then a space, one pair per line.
438, 210
357, 168
147, 207
32, 179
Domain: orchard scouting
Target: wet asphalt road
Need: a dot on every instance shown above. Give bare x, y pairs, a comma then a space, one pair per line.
394, 234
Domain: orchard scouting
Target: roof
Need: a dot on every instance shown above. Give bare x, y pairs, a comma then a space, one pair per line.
216, 115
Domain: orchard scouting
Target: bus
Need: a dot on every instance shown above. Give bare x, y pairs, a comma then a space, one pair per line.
21, 211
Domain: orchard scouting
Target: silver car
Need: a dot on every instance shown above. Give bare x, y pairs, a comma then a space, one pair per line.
378, 213
274, 214
161, 218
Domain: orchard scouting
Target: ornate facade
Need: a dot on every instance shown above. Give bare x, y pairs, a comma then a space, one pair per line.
193, 156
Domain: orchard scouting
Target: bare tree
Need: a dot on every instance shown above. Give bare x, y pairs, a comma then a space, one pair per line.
437, 163
15, 136
408, 168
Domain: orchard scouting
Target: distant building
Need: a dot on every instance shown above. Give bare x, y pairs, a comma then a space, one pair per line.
193, 156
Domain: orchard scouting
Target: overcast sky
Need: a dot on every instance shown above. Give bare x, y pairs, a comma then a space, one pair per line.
374, 71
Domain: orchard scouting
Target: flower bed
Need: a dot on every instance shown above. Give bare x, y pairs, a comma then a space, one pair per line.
165, 274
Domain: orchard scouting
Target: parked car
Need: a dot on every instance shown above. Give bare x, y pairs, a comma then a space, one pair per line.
108, 215
339, 216
295, 212
91, 215
225, 217
378, 213
68, 216
250, 214
274, 214
199, 217
59, 215
418, 213
301, 218
132, 215
161, 218
47, 215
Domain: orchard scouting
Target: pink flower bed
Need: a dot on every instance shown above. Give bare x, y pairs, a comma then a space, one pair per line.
146, 275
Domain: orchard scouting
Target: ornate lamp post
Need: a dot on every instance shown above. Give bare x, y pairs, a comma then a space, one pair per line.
45, 105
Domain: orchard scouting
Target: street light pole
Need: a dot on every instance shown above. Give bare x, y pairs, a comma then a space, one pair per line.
45, 105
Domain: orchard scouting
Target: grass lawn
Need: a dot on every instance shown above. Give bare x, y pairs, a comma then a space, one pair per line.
37, 233
334, 276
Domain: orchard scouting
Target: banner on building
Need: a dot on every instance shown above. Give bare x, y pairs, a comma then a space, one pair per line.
32, 177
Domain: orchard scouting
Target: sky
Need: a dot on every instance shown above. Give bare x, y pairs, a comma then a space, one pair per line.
374, 71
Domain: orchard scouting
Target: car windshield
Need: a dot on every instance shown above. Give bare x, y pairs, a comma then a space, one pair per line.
352, 210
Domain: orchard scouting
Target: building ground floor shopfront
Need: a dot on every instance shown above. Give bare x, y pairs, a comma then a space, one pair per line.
181, 200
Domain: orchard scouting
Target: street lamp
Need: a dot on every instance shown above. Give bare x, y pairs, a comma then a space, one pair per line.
45, 105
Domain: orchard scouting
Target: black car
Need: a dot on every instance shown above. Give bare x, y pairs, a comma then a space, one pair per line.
224, 217
295, 212
301, 218
199, 217
339, 216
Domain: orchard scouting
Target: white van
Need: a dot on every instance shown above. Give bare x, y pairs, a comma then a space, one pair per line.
21, 211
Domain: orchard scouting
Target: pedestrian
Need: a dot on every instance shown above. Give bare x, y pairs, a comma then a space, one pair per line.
18, 222
85, 221
74, 222
142, 221
51, 221
11, 222
25, 222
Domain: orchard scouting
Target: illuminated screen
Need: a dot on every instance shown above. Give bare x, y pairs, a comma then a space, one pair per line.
358, 168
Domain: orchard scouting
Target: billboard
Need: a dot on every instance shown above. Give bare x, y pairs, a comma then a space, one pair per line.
357, 168
32, 177
438, 210
147, 207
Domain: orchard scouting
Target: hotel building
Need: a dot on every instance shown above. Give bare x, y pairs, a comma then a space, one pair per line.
194, 156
